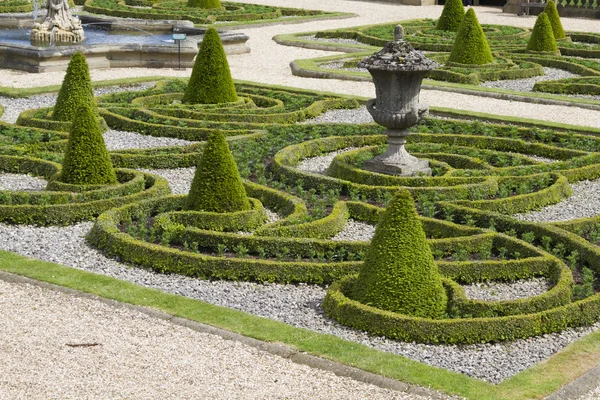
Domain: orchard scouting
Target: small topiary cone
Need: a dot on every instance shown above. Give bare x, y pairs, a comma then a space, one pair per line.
86, 160
542, 38
452, 16
211, 81
399, 273
205, 4
471, 45
552, 13
76, 90
217, 185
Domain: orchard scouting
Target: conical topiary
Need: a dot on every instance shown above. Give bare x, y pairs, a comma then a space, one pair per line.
470, 45
76, 90
217, 185
399, 273
452, 15
206, 4
211, 81
552, 13
86, 160
542, 38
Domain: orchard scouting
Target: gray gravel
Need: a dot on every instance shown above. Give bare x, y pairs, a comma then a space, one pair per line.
583, 203
355, 231
542, 159
591, 395
21, 182
358, 115
340, 65
297, 305
120, 140
319, 164
526, 85
180, 179
14, 107
498, 291
330, 40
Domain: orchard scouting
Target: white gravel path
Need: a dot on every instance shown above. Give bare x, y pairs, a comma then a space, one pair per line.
591, 395
21, 182
319, 164
120, 140
140, 357
498, 291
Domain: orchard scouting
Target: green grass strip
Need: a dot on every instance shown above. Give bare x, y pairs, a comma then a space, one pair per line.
534, 383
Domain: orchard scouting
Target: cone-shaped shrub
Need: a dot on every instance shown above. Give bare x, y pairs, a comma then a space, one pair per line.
399, 273
217, 186
207, 4
76, 90
211, 81
471, 45
554, 18
452, 15
542, 38
86, 160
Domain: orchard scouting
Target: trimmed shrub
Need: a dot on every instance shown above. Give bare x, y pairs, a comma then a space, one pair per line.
554, 18
76, 90
204, 4
452, 16
399, 273
86, 160
471, 45
542, 38
211, 81
217, 185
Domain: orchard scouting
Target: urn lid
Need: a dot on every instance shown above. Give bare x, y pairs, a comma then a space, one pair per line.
398, 55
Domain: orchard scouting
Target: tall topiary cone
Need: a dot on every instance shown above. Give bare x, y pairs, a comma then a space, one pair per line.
217, 185
86, 160
211, 81
76, 90
206, 4
552, 13
471, 45
399, 273
452, 15
542, 38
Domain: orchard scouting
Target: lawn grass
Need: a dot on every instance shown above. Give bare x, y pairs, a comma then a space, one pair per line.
533, 383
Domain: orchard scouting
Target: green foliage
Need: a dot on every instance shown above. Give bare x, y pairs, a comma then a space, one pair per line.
75, 91
399, 273
204, 4
471, 45
86, 160
452, 16
211, 80
217, 186
554, 18
542, 38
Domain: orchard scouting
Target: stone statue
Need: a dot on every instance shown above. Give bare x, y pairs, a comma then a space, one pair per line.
59, 27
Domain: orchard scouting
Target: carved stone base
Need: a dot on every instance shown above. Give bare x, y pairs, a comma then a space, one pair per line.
60, 36
396, 160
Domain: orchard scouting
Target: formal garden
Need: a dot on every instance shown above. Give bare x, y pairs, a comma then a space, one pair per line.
256, 208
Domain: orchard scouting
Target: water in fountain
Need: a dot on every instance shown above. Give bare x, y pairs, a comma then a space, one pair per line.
35, 10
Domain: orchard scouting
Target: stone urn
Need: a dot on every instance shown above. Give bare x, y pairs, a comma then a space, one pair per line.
397, 71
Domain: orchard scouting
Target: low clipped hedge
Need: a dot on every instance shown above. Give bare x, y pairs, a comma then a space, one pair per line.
42, 118
587, 85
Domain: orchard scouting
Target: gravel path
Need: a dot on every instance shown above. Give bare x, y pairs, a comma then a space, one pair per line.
355, 231
21, 182
136, 356
319, 164
526, 85
180, 179
297, 305
120, 140
583, 203
498, 291
591, 395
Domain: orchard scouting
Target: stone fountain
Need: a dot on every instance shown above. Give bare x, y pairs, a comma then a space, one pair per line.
59, 27
398, 71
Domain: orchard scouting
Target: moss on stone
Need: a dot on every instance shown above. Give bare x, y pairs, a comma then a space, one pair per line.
399, 273
76, 90
471, 45
206, 4
542, 38
452, 16
552, 13
211, 81
217, 185
86, 160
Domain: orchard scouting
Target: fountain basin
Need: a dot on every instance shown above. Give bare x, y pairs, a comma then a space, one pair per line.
109, 44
